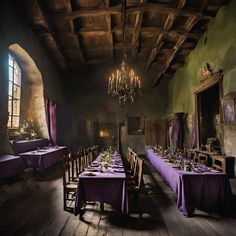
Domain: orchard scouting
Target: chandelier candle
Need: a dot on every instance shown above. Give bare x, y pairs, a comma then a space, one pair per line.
124, 84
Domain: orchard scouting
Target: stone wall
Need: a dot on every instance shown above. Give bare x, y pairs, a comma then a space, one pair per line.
15, 30
88, 101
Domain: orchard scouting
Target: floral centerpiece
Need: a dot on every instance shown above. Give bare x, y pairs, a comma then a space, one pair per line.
107, 160
27, 130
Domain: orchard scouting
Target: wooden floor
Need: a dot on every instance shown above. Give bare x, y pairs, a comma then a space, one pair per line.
40, 213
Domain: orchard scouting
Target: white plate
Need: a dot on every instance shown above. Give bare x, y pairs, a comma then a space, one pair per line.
88, 173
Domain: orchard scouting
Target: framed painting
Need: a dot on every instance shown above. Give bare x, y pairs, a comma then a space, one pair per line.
229, 110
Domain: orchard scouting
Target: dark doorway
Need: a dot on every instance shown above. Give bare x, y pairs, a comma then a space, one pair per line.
208, 113
106, 135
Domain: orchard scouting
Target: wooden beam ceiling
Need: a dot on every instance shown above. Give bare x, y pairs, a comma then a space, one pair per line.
192, 20
83, 33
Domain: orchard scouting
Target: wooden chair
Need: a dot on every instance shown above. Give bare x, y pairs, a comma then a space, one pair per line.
139, 174
78, 159
95, 151
90, 156
195, 157
202, 158
133, 165
219, 162
83, 159
128, 155
69, 183
188, 153
132, 159
134, 188
87, 157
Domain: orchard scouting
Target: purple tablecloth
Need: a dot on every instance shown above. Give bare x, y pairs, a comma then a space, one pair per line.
28, 145
105, 187
206, 191
10, 165
43, 158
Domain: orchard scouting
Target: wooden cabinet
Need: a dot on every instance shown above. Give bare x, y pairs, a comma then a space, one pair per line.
155, 132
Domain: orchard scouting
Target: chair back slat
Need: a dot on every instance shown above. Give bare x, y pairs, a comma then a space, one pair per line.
94, 151
132, 158
140, 172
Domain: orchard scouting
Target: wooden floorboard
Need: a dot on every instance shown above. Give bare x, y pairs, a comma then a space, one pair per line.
40, 212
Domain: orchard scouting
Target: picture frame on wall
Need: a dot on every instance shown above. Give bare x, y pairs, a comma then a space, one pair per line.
229, 110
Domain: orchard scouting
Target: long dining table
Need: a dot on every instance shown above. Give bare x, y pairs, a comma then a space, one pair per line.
104, 185
205, 189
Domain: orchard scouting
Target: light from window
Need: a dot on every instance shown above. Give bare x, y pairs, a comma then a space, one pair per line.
14, 93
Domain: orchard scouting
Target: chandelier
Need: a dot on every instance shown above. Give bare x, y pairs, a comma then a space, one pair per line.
124, 84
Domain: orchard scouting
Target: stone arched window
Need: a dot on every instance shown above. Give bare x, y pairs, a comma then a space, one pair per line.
14, 93
32, 107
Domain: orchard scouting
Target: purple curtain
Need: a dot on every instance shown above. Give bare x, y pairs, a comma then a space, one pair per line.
50, 108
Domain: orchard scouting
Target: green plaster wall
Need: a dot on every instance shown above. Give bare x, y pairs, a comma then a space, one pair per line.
219, 50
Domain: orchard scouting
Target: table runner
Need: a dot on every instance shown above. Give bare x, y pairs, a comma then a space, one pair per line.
205, 190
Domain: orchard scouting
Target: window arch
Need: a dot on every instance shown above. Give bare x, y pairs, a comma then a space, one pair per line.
14, 93
32, 91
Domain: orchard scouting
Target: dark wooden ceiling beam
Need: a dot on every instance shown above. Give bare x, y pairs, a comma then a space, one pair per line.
69, 10
137, 27
172, 16
100, 61
170, 57
105, 3
167, 26
116, 46
188, 26
148, 7
50, 28
154, 51
166, 52
100, 31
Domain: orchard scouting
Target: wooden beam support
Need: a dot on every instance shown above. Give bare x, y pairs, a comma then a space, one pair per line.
170, 58
154, 51
189, 25
105, 3
99, 31
148, 7
49, 24
172, 16
137, 27
69, 11
55, 28
100, 61
167, 26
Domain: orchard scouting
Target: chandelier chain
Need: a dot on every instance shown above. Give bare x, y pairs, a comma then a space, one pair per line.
124, 84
